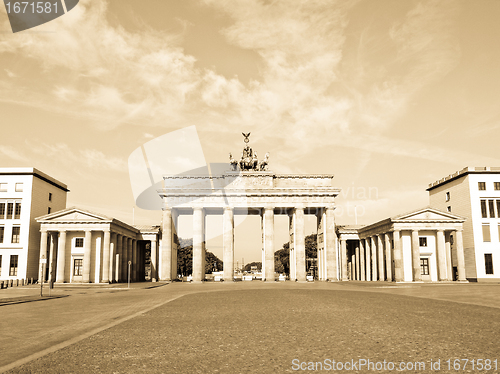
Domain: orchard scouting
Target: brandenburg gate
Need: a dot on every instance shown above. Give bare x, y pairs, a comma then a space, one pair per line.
249, 188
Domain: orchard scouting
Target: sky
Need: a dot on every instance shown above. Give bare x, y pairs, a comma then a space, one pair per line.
388, 96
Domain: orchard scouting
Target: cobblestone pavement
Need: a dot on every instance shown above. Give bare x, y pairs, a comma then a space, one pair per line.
249, 327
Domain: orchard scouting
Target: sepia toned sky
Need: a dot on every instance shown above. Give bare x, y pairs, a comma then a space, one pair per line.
386, 95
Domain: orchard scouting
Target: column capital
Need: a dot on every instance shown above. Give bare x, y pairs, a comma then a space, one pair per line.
228, 208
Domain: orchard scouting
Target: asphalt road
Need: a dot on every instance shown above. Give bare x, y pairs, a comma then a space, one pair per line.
264, 330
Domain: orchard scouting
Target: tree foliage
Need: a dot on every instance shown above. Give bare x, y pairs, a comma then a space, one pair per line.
185, 259
282, 256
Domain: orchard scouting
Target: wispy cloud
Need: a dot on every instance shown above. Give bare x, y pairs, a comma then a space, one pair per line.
12, 153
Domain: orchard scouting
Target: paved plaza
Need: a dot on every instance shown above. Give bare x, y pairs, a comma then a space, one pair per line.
247, 327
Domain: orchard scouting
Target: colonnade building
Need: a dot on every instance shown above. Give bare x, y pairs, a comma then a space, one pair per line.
75, 245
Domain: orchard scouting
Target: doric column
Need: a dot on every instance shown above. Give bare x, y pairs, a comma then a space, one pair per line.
291, 232
362, 256
166, 246
173, 260
268, 234
43, 255
320, 245
368, 261
118, 256
52, 251
112, 254
358, 269
449, 265
154, 259
300, 244
134, 260
460, 256
353, 267
61, 257
441, 255
228, 244
398, 256
374, 258
330, 239
380, 247
86, 256
415, 256
198, 239
124, 259
343, 254
105, 256
388, 257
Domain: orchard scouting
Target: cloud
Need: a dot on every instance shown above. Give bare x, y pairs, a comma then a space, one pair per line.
12, 153
9, 73
88, 158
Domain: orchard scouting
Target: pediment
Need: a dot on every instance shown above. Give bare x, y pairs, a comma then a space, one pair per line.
74, 215
428, 214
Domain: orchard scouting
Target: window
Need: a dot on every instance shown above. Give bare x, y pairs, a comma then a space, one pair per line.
449, 208
496, 186
3, 187
2, 210
484, 209
491, 205
48, 210
486, 233
79, 242
13, 265
19, 187
488, 263
78, 267
423, 242
481, 186
424, 266
10, 210
15, 234
447, 196
17, 213
50, 196
2, 233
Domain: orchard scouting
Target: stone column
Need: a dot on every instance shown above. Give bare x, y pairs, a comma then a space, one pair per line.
154, 259
398, 257
362, 256
228, 243
441, 255
291, 231
388, 257
374, 258
330, 241
300, 245
343, 254
198, 258
449, 265
460, 256
112, 254
52, 251
415, 256
118, 256
61, 258
268, 219
320, 245
105, 256
368, 262
173, 261
43, 255
124, 260
353, 266
381, 269
86, 256
358, 269
134, 260
166, 246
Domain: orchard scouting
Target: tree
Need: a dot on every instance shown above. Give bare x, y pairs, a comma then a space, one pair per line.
185, 259
282, 257
248, 267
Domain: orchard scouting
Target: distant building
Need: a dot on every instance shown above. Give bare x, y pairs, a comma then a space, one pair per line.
25, 193
474, 193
